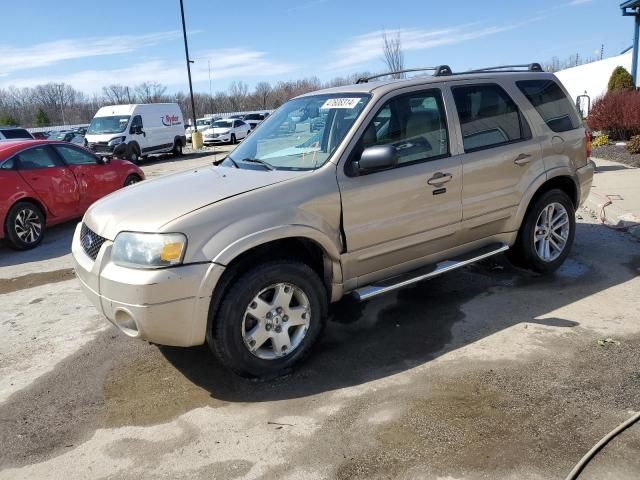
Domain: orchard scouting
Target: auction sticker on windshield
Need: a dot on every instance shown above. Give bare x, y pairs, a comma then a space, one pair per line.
340, 103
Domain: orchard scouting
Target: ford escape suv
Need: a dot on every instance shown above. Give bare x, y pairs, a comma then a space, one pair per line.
402, 180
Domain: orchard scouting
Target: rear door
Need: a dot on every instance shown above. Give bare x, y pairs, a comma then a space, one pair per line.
53, 182
394, 218
501, 157
95, 180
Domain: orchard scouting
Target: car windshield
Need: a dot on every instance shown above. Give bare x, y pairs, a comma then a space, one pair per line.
302, 134
200, 123
221, 124
115, 124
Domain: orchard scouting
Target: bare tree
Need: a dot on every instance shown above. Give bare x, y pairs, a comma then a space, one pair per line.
117, 94
262, 92
150, 92
393, 54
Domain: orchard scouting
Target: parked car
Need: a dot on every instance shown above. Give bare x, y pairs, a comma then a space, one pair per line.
253, 119
407, 179
201, 123
70, 136
135, 131
226, 131
13, 133
44, 182
40, 135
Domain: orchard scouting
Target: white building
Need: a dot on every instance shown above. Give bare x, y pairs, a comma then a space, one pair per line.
592, 78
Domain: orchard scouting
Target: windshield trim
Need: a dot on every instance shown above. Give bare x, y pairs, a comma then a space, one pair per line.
365, 95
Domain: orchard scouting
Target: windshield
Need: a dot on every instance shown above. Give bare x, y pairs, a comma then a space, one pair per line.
115, 124
221, 124
205, 121
302, 134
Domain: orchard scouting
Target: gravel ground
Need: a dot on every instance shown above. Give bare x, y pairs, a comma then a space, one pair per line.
488, 372
617, 153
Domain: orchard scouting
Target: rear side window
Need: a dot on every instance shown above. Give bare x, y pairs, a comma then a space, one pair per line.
11, 133
488, 117
34, 158
551, 103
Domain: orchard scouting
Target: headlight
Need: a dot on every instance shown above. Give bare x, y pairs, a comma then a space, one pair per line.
116, 141
148, 250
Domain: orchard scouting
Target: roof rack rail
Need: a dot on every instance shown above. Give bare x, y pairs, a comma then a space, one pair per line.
438, 71
530, 67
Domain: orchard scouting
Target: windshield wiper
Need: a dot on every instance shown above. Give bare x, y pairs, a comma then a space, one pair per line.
227, 158
266, 165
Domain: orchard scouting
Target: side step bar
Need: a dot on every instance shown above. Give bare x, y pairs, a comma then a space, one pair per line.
424, 273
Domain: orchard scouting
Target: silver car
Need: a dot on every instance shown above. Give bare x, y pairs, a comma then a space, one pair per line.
403, 180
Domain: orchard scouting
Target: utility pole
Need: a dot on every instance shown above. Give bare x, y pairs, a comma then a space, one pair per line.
186, 51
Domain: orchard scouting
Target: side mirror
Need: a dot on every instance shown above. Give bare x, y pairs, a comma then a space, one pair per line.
378, 157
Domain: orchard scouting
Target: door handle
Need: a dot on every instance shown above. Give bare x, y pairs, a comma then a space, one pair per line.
523, 159
439, 179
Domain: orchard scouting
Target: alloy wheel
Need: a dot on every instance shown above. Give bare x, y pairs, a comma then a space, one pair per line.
28, 226
551, 232
276, 321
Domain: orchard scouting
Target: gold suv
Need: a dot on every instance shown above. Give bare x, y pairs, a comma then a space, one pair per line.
356, 190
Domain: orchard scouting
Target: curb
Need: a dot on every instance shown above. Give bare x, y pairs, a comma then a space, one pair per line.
603, 208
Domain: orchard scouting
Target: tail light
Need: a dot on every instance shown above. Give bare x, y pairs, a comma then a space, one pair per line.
587, 134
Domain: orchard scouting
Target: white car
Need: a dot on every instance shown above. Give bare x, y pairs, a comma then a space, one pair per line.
201, 123
254, 119
226, 131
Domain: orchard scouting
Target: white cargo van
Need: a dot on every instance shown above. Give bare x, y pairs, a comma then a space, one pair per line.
135, 131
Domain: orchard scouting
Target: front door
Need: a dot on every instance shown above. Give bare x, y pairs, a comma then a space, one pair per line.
95, 180
394, 218
139, 135
52, 181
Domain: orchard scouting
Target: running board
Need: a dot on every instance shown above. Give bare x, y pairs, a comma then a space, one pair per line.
430, 271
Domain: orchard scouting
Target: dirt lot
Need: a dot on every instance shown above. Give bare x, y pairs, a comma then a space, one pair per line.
486, 373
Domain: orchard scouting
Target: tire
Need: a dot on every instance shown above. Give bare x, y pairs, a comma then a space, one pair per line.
177, 148
233, 139
134, 154
24, 226
276, 352
538, 247
131, 180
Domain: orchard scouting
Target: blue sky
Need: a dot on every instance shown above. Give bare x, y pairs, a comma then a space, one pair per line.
93, 44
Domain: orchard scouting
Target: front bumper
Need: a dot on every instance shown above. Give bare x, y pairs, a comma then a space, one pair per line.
167, 306
585, 179
220, 139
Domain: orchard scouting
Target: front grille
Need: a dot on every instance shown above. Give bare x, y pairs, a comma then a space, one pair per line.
100, 147
91, 241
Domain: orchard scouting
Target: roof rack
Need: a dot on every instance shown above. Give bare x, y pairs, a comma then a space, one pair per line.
438, 71
445, 70
530, 67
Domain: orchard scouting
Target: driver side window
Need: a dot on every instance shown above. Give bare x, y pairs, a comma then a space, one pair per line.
135, 123
415, 124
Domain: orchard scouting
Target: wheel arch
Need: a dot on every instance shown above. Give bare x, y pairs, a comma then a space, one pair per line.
248, 252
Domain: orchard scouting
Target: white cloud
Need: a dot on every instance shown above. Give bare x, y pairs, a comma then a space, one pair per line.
227, 63
15, 58
573, 3
364, 48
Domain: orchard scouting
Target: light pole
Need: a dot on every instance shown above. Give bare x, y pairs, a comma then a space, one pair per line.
631, 8
186, 52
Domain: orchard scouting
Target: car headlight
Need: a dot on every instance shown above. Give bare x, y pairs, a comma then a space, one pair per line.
148, 250
116, 141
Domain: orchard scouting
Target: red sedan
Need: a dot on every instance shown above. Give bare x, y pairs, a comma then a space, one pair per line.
45, 182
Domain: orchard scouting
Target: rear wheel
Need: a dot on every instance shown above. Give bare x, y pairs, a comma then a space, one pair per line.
177, 149
24, 226
131, 179
269, 319
546, 234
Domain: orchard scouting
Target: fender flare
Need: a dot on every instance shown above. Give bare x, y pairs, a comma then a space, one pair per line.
246, 243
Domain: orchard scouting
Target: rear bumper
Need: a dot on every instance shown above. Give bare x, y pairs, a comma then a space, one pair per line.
165, 306
585, 179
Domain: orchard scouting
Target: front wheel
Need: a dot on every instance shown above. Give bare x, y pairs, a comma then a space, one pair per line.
270, 319
177, 149
134, 155
131, 179
546, 234
24, 226
233, 139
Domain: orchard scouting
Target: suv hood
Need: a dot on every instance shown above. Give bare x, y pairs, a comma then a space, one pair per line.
149, 205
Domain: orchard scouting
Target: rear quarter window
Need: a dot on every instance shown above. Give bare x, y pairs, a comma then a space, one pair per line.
551, 103
15, 133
